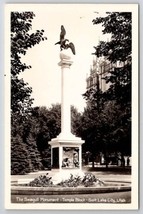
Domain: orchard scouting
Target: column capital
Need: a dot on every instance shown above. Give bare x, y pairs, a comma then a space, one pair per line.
65, 63
66, 57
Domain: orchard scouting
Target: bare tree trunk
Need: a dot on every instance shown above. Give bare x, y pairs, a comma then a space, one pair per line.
92, 161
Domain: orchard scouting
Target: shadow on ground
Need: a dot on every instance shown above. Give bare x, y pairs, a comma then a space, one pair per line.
110, 170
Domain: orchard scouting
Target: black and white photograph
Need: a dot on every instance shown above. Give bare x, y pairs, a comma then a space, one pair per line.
71, 100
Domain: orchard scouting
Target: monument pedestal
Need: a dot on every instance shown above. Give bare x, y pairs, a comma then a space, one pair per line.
66, 150
66, 157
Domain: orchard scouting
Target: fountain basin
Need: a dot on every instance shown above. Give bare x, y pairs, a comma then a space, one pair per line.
108, 187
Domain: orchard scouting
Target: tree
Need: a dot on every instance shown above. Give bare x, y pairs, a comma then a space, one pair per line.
20, 158
118, 126
89, 131
45, 125
95, 98
75, 121
118, 24
107, 131
22, 38
118, 49
111, 109
33, 152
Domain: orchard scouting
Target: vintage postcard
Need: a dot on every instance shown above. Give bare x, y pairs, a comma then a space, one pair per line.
71, 106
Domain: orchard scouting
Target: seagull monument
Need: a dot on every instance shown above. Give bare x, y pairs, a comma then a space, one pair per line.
66, 148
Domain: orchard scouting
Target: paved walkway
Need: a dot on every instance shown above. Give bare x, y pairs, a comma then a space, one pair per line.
103, 175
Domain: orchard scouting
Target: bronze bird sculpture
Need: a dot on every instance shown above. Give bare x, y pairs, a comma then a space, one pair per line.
63, 42
62, 35
72, 47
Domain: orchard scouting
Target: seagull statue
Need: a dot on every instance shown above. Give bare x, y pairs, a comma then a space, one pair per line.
64, 43
72, 47
62, 35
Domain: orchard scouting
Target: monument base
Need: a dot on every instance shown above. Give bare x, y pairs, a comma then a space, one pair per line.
66, 157
64, 174
66, 138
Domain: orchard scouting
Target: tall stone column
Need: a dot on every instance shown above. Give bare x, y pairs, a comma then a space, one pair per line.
66, 146
65, 97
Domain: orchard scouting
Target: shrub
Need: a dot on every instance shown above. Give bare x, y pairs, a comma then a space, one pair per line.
73, 181
41, 181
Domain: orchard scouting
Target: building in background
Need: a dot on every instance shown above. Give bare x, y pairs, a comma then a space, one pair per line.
98, 71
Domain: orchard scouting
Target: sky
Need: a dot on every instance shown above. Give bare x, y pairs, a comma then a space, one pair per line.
45, 75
